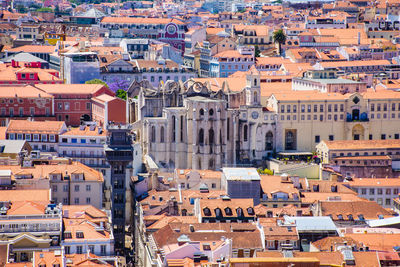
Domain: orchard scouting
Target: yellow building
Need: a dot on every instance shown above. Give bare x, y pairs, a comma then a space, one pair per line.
53, 38
305, 118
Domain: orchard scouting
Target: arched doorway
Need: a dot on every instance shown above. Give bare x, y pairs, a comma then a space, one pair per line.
358, 132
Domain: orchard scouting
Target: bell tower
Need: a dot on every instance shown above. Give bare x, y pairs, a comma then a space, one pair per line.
253, 88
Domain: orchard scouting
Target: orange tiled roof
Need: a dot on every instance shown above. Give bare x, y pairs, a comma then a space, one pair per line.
25, 195
376, 182
362, 144
47, 49
24, 126
44, 171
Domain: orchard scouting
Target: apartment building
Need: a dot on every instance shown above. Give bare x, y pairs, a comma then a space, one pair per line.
73, 102
25, 101
41, 135
231, 61
381, 190
87, 230
29, 222
86, 145
70, 183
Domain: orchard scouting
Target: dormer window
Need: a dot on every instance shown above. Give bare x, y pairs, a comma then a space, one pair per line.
207, 212
218, 212
350, 217
250, 211
228, 211
340, 217
239, 212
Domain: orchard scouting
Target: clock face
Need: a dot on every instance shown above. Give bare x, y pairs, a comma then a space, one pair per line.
254, 115
171, 29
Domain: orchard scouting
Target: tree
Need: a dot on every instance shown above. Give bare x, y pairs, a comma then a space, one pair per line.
96, 81
117, 84
121, 94
280, 38
256, 51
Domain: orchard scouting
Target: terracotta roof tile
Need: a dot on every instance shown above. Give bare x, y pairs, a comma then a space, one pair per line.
24, 126
362, 144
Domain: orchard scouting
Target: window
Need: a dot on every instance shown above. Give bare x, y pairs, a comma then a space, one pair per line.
363, 191
54, 187
88, 200
388, 201
76, 200
88, 105
103, 249
83, 141
245, 132
317, 139
283, 109
76, 188
67, 249
65, 188
88, 187
315, 108
383, 136
52, 138
78, 249
388, 191
66, 106
372, 191
91, 248
303, 108
162, 134
380, 191
308, 108
331, 138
